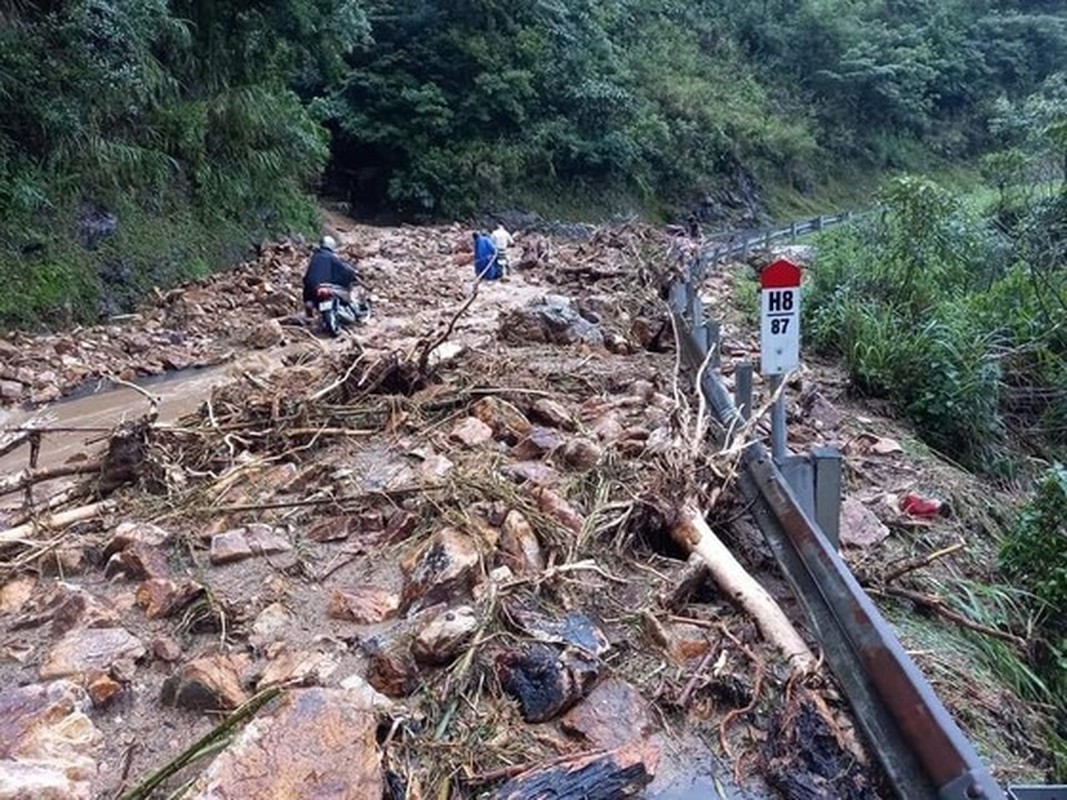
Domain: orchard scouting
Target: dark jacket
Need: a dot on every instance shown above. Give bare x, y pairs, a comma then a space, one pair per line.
326, 267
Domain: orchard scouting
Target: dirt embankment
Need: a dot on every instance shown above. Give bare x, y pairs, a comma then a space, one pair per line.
421, 565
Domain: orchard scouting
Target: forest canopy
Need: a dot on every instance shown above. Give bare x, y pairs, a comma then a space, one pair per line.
145, 141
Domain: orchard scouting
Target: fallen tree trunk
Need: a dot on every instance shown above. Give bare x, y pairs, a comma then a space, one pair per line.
589, 776
692, 532
60, 520
29, 477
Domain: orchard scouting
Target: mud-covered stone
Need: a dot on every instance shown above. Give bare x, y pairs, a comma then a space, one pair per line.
555, 506
534, 472
315, 744
47, 742
166, 649
612, 715
471, 432
364, 605
85, 649
860, 527
549, 320
520, 545
443, 637
163, 597
137, 561
131, 532
228, 547
306, 667
553, 413
392, 669
545, 680
599, 775
264, 335
269, 624
575, 629
210, 683
581, 453
69, 607
443, 567
537, 443
505, 420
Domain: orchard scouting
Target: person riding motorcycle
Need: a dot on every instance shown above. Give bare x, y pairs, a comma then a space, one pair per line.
327, 268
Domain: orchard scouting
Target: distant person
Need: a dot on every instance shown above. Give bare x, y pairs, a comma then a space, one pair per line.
326, 267
502, 240
486, 263
692, 227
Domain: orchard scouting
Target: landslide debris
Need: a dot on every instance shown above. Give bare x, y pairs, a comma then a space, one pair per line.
431, 555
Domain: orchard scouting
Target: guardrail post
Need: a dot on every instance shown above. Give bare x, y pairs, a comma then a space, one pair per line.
792, 233
767, 241
696, 309
743, 388
744, 248
828, 492
712, 330
778, 432
818, 223
677, 298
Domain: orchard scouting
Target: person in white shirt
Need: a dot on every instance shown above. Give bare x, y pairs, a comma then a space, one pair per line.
502, 240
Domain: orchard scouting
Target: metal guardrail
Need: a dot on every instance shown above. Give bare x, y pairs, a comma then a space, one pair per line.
924, 753
723, 246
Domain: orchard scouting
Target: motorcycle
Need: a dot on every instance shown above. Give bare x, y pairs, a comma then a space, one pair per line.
336, 308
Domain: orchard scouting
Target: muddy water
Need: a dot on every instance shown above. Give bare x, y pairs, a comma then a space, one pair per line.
179, 393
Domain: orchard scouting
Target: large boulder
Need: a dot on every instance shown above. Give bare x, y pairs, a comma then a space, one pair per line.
548, 320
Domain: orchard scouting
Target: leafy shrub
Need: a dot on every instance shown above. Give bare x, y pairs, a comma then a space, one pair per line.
1035, 552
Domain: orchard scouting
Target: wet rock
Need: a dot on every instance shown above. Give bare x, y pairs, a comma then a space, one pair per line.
331, 529
617, 344
553, 413
519, 542
537, 443
435, 468
136, 562
166, 649
103, 689
860, 527
364, 605
612, 715
443, 638
608, 427
581, 454
535, 472
575, 629
129, 533
642, 390
444, 567
544, 680
304, 667
559, 509
471, 432
241, 543
400, 525
47, 743
549, 320
228, 547
316, 744
211, 683
15, 593
266, 540
392, 669
505, 420
270, 622
163, 597
264, 335
85, 649
67, 607
10, 391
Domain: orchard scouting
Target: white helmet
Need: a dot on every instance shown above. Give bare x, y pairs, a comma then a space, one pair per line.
329, 243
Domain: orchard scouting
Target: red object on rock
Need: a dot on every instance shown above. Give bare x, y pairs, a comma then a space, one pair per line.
918, 506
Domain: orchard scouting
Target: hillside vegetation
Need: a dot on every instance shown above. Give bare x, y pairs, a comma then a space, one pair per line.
146, 141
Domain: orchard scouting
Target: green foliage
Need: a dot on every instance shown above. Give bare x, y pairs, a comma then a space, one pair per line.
934, 309
176, 118
1035, 552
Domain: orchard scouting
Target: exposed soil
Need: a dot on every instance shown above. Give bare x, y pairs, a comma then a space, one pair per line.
474, 529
